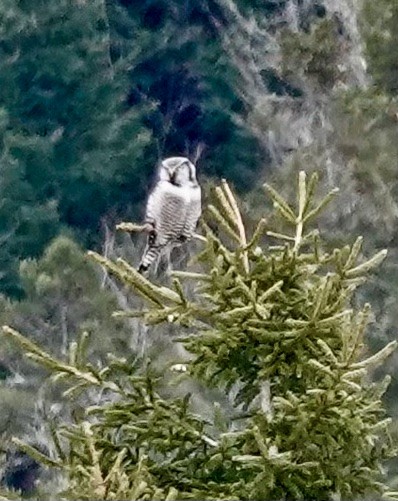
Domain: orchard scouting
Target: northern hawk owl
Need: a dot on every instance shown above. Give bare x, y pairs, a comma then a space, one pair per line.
173, 208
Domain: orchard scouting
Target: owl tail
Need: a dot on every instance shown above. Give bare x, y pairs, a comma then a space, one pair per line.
150, 255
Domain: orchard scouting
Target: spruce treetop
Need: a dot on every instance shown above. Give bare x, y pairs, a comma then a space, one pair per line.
273, 324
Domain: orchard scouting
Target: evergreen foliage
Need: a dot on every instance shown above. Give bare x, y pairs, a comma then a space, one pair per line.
63, 297
66, 129
275, 326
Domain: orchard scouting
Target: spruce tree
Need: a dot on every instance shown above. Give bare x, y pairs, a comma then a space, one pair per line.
274, 325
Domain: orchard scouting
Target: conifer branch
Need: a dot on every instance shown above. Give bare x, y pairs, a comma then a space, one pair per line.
191, 275
382, 386
130, 275
258, 232
138, 282
280, 236
328, 351
224, 223
212, 238
57, 443
302, 199
313, 213
43, 358
286, 323
35, 454
390, 495
338, 316
172, 494
97, 480
226, 207
238, 218
318, 365
355, 250
354, 374
353, 342
323, 296
146, 286
269, 292
280, 204
115, 469
378, 358
73, 391
368, 265
311, 186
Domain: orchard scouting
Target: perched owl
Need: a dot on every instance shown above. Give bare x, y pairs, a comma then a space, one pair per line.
173, 208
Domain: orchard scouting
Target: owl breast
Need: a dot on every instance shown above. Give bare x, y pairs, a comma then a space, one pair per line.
168, 210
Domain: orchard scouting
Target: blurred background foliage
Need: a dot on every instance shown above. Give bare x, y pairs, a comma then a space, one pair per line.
94, 93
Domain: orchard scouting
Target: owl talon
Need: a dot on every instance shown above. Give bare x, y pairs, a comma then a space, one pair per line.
142, 268
148, 227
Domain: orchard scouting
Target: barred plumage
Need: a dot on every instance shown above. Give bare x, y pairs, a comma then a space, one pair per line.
173, 208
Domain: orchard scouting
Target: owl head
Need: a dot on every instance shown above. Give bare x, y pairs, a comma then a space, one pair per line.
178, 171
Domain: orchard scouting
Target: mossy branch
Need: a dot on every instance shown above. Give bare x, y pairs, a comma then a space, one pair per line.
133, 228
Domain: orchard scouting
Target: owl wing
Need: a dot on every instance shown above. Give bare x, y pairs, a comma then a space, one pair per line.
166, 210
194, 211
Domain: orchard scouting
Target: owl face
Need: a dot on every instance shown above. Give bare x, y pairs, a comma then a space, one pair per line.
178, 171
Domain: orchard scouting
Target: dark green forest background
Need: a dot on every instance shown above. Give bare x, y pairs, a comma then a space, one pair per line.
94, 92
